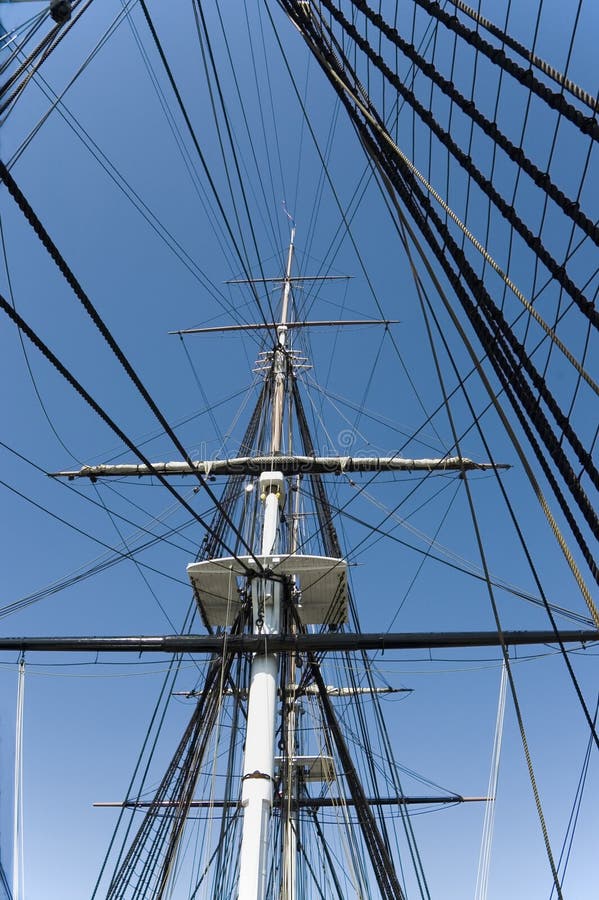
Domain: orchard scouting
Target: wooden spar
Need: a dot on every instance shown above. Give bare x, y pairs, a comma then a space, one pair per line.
288, 465
301, 803
269, 326
299, 643
291, 279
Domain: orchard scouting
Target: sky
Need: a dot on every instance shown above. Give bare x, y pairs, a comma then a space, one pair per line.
164, 268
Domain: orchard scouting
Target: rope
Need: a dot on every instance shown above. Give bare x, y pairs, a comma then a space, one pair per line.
516, 154
53, 39
18, 867
87, 304
489, 344
391, 186
45, 350
586, 124
507, 210
523, 51
484, 865
500, 356
543, 600
495, 344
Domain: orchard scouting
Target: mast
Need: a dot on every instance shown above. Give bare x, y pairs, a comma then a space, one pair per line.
289, 808
258, 764
317, 595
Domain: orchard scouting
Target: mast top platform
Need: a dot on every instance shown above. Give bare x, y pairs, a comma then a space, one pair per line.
322, 582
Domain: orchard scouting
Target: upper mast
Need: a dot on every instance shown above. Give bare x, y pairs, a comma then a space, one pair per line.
279, 362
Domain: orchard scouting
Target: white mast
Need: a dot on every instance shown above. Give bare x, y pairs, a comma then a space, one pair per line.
18, 869
289, 808
259, 759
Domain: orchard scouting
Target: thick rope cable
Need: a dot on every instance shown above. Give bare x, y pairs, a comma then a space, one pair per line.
583, 455
586, 124
544, 602
57, 35
498, 408
505, 366
37, 50
531, 57
78, 387
504, 336
504, 207
541, 178
26, 32
496, 319
42, 50
563, 545
516, 154
489, 344
87, 304
458, 287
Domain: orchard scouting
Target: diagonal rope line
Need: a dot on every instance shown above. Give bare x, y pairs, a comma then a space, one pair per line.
50, 356
63, 267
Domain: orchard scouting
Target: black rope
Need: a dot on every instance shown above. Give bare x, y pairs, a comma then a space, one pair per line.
569, 207
156, 841
527, 54
70, 378
586, 124
506, 370
201, 156
382, 864
407, 191
87, 304
44, 49
35, 23
48, 37
543, 601
503, 334
509, 376
488, 342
